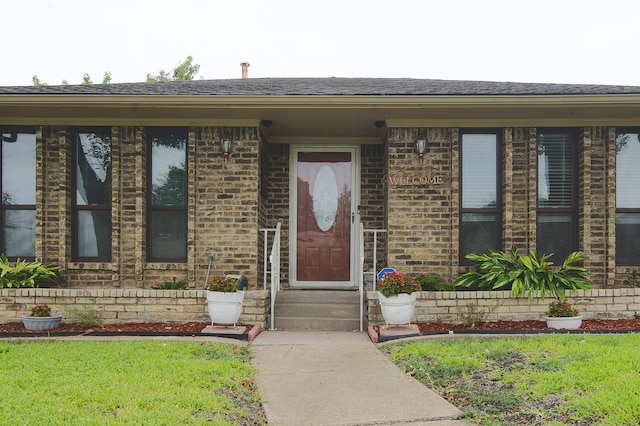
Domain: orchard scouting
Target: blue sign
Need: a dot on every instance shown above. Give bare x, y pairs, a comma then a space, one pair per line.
385, 271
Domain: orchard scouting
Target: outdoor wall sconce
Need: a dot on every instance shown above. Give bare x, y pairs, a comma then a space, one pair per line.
421, 145
226, 145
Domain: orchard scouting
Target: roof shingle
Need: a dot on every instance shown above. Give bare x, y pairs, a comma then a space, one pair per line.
324, 87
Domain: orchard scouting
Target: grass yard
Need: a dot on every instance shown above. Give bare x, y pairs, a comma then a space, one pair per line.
555, 379
127, 382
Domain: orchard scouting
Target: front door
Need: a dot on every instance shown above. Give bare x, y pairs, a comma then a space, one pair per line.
323, 217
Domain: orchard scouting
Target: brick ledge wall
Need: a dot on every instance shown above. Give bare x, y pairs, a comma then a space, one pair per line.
128, 305
446, 306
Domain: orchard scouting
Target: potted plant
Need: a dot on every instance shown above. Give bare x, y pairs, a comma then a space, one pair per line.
397, 294
41, 318
224, 300
562, 315
528, 275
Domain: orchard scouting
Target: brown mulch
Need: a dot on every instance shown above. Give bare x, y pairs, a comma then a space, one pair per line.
614, 325
128, 328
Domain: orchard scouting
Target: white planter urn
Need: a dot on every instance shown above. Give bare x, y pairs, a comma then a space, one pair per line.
225, 308
41, 323
397, 309
569, 323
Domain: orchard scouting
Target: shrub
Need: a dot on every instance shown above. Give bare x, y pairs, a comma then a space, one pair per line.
433, 283
86, 317
172, 285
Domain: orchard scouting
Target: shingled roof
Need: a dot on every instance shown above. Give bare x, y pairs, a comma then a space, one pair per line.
324, 87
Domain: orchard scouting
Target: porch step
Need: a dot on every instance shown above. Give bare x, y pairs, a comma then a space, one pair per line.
317, 310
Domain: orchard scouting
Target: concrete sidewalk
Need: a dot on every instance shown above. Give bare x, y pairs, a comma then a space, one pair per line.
340, 378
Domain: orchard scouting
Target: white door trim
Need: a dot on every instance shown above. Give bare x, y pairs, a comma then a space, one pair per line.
293, 217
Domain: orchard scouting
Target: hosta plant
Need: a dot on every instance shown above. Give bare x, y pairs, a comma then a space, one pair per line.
528, 275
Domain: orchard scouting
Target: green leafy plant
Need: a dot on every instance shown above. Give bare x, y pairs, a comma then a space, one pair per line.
561, 308
633, 280
222, 283
636, 315
86, 317
24, 273
41, 311
172, 285
528, 275
433, 283
392, 284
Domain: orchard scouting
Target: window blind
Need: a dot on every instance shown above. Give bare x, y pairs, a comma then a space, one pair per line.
479, 171
627, 171
555, 170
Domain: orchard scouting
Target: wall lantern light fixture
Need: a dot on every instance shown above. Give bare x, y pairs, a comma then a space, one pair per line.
226, 144
421, 145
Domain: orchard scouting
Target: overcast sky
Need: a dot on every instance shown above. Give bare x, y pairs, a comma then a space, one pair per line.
555, 41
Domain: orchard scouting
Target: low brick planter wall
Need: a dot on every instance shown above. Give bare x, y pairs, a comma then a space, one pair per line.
449, 306
128, 305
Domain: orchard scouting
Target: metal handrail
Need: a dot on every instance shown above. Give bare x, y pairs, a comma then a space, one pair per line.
361, 271
373, 273
361, 277
274, 260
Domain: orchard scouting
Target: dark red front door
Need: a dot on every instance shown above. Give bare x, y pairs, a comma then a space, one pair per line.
323, 234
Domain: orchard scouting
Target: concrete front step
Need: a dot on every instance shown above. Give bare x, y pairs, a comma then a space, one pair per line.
319, 310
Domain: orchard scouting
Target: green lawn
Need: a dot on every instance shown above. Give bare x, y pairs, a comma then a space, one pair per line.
556, 379
127, 382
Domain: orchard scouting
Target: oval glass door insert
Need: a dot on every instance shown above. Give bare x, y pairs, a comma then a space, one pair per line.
325, 198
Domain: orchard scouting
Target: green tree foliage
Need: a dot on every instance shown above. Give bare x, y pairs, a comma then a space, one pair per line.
187, 70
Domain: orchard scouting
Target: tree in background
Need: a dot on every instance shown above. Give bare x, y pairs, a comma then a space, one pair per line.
187, 70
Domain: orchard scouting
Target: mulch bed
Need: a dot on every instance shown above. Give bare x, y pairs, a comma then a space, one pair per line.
195, 328
601, 325
16, 329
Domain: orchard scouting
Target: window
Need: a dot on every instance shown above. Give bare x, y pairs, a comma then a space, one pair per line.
91, 206
628, 198
167, 180
557, 218
18, 184
480, 205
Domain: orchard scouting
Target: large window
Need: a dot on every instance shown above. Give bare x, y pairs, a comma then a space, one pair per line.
628, 198
18, 184
91, 205
480, 205
167, 180
557, 190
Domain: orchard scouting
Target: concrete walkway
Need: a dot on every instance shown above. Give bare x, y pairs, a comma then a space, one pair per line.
340, 378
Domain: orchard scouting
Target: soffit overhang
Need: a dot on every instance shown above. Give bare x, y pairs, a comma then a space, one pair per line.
316, 118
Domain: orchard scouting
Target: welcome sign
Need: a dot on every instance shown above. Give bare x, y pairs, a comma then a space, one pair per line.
412, 181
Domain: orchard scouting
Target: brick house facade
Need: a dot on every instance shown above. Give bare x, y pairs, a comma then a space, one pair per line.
417, 201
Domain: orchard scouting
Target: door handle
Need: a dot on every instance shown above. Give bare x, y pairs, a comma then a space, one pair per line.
353, 218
